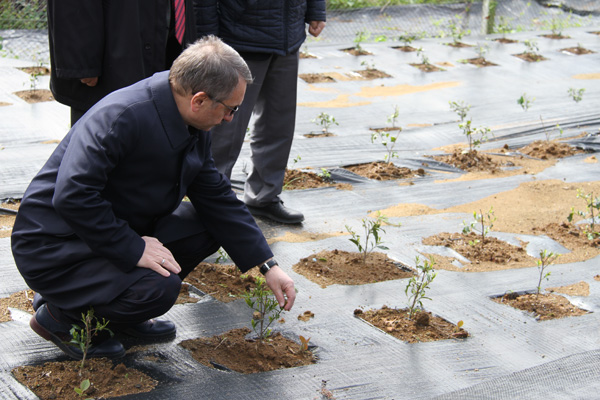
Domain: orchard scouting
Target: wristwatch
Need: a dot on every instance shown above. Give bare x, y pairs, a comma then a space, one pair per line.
264, 268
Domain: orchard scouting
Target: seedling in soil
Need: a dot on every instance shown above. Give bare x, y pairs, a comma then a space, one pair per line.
460, 108
418, 285
546, 258
393, 117
408, 38
372, 236
82, 337
389, 140
222, 257
325, 120
325, 175
525, 102
482, 49
531, 48
304, 344
503, 26
83, 386
424, 58
548, 133
482, 223
592, 203
576, 94
266, 308
456, 30
360, 37
369, 66
475, 136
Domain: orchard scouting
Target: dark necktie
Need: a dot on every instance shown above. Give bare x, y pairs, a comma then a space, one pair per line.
179, 6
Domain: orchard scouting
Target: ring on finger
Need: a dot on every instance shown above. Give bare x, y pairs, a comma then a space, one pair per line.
163, 261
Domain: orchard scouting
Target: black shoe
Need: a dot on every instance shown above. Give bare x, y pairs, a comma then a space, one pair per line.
152, 329
38, 300
277, 212
45, 325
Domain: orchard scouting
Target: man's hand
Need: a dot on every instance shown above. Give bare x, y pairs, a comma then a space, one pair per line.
90, 81
158, 258
315, 27
282, 287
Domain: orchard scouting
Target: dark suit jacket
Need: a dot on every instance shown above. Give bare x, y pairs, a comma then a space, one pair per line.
123, 167
119, 41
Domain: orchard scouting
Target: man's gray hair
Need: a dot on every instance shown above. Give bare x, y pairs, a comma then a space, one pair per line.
209, 66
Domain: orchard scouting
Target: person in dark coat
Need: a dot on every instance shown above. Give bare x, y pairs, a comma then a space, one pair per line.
268, 34
98, 46
103, 225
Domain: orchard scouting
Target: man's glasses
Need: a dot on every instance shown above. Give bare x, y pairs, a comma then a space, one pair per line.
232, 110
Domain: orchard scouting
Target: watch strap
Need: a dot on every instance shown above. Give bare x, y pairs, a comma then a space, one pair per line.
264, 268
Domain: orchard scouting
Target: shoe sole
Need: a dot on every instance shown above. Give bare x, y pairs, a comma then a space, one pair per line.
43, 332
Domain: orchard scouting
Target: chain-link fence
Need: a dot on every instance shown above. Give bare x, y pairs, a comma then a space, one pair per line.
23, 23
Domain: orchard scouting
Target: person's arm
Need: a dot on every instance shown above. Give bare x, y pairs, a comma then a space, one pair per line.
76, 32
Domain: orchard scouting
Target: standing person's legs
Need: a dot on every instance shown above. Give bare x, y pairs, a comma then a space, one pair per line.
228, 138
271, 139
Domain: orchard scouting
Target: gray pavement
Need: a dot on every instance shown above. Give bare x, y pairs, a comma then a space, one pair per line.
508, 354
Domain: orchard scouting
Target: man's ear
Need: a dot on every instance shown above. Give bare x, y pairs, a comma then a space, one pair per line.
197, 100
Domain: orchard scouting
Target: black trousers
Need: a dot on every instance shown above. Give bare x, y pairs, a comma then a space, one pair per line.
153, 294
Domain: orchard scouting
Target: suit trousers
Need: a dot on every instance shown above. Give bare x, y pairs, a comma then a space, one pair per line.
272, 99
153, 295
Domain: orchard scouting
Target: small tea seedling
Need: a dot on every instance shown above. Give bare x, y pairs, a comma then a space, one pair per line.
548, 133
408, 38
458, 326
325, 120
475, 136
525, 102
222, 257
546, 258
503, 26
531, 47
417, 285
304, 344
576, 94
369, 66
83, 386
265, 306
456, 30
424, 58
389, 140
460, 108
82, 337
482, 223
482, 49
360, 37
325, 175
592, 203
393, 117
372, 236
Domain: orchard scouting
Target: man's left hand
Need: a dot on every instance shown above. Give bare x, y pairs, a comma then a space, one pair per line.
282, 287
315, 27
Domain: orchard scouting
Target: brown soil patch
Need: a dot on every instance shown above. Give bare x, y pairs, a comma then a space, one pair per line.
577, 50
356, 52
372, 73
458, 44
35, 96
316, 78
427, 67
557, 36
577, 289
303, 236
224, 282
383, 171
318, 134
295, 179
480, 62
549, 150
530, 57
506, 40
347, 268
489, 254
38, 70
470, 161
543, 306
4, 104
424, 327
57, 380
406, 49
21, 300
305, 55
232, 351
595, 33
